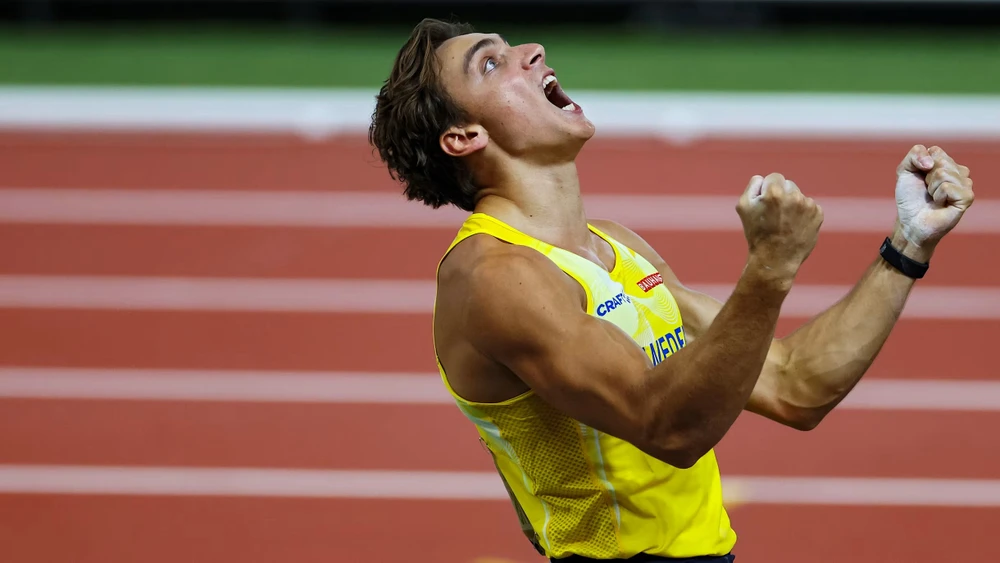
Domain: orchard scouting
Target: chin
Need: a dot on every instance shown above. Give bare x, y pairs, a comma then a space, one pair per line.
580, 126
572, 146
583, 132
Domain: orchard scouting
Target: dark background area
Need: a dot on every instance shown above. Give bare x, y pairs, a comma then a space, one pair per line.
687, 14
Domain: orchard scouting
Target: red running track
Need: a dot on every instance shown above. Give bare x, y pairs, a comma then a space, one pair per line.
260, 252
96, 528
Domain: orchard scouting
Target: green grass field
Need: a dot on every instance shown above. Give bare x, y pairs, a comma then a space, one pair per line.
584, 59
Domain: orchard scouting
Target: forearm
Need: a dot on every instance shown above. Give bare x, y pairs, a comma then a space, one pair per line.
826, 357
700, 392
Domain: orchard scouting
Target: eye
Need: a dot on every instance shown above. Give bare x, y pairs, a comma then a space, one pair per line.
487, 65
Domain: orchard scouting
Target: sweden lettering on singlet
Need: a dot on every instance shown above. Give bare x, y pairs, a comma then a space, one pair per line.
665, 346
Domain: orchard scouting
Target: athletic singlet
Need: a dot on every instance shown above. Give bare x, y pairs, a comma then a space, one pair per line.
576, 489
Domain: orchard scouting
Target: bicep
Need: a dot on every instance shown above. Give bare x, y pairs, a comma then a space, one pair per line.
584, 366
767, 398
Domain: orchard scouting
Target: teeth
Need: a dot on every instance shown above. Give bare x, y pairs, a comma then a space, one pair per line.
569, 107
548, 80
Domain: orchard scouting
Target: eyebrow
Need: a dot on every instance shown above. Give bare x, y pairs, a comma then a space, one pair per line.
475, 48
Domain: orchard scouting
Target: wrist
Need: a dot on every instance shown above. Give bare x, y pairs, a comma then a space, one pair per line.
918, 252
769, 276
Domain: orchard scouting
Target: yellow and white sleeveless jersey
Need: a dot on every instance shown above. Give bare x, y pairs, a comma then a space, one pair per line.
578, 490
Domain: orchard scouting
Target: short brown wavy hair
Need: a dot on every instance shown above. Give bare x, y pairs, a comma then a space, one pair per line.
412, 110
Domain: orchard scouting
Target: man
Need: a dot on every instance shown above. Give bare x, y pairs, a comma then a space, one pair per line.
597, 380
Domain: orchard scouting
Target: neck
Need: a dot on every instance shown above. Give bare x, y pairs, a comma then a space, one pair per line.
543, 201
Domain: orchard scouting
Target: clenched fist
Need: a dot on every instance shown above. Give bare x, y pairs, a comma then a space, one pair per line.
780, 223
932, 193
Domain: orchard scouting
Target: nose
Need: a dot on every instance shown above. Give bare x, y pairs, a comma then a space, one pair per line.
534, 55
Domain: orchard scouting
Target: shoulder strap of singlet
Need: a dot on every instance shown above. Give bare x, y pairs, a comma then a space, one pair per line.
604, 236
481, 223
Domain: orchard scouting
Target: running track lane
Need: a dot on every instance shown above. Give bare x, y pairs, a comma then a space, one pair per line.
274, 162
916, 349
317, 436
196, 530
696, 257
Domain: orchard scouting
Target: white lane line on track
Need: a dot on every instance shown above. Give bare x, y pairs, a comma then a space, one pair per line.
387, 210
678, 117
215, 294
430, 485
397, 388
226, 386
391, 296
860, 491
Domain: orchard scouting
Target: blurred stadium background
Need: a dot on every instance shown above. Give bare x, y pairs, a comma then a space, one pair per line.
215, 305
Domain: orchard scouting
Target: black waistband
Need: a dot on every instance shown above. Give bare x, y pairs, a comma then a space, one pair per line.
644, 558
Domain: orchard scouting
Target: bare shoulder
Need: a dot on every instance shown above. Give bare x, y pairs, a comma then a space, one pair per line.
483, 264
487, 286
474, 322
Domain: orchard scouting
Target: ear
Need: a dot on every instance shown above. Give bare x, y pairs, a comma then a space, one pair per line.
465, 140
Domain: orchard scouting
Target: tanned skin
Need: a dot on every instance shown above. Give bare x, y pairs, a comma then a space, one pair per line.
508, 320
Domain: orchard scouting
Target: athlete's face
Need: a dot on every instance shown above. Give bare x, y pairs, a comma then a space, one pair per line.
512, 100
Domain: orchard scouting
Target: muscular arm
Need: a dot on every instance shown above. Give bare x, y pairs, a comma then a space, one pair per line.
826, 357
807, 373
810, 371
519, 311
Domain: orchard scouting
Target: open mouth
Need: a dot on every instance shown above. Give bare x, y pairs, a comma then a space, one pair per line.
555, 95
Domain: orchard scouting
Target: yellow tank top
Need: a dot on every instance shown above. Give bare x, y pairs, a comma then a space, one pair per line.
576, 489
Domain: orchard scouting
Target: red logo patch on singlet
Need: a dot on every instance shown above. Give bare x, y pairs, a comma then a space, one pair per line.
649, 282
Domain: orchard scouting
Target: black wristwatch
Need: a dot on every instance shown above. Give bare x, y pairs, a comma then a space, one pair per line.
909, 267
